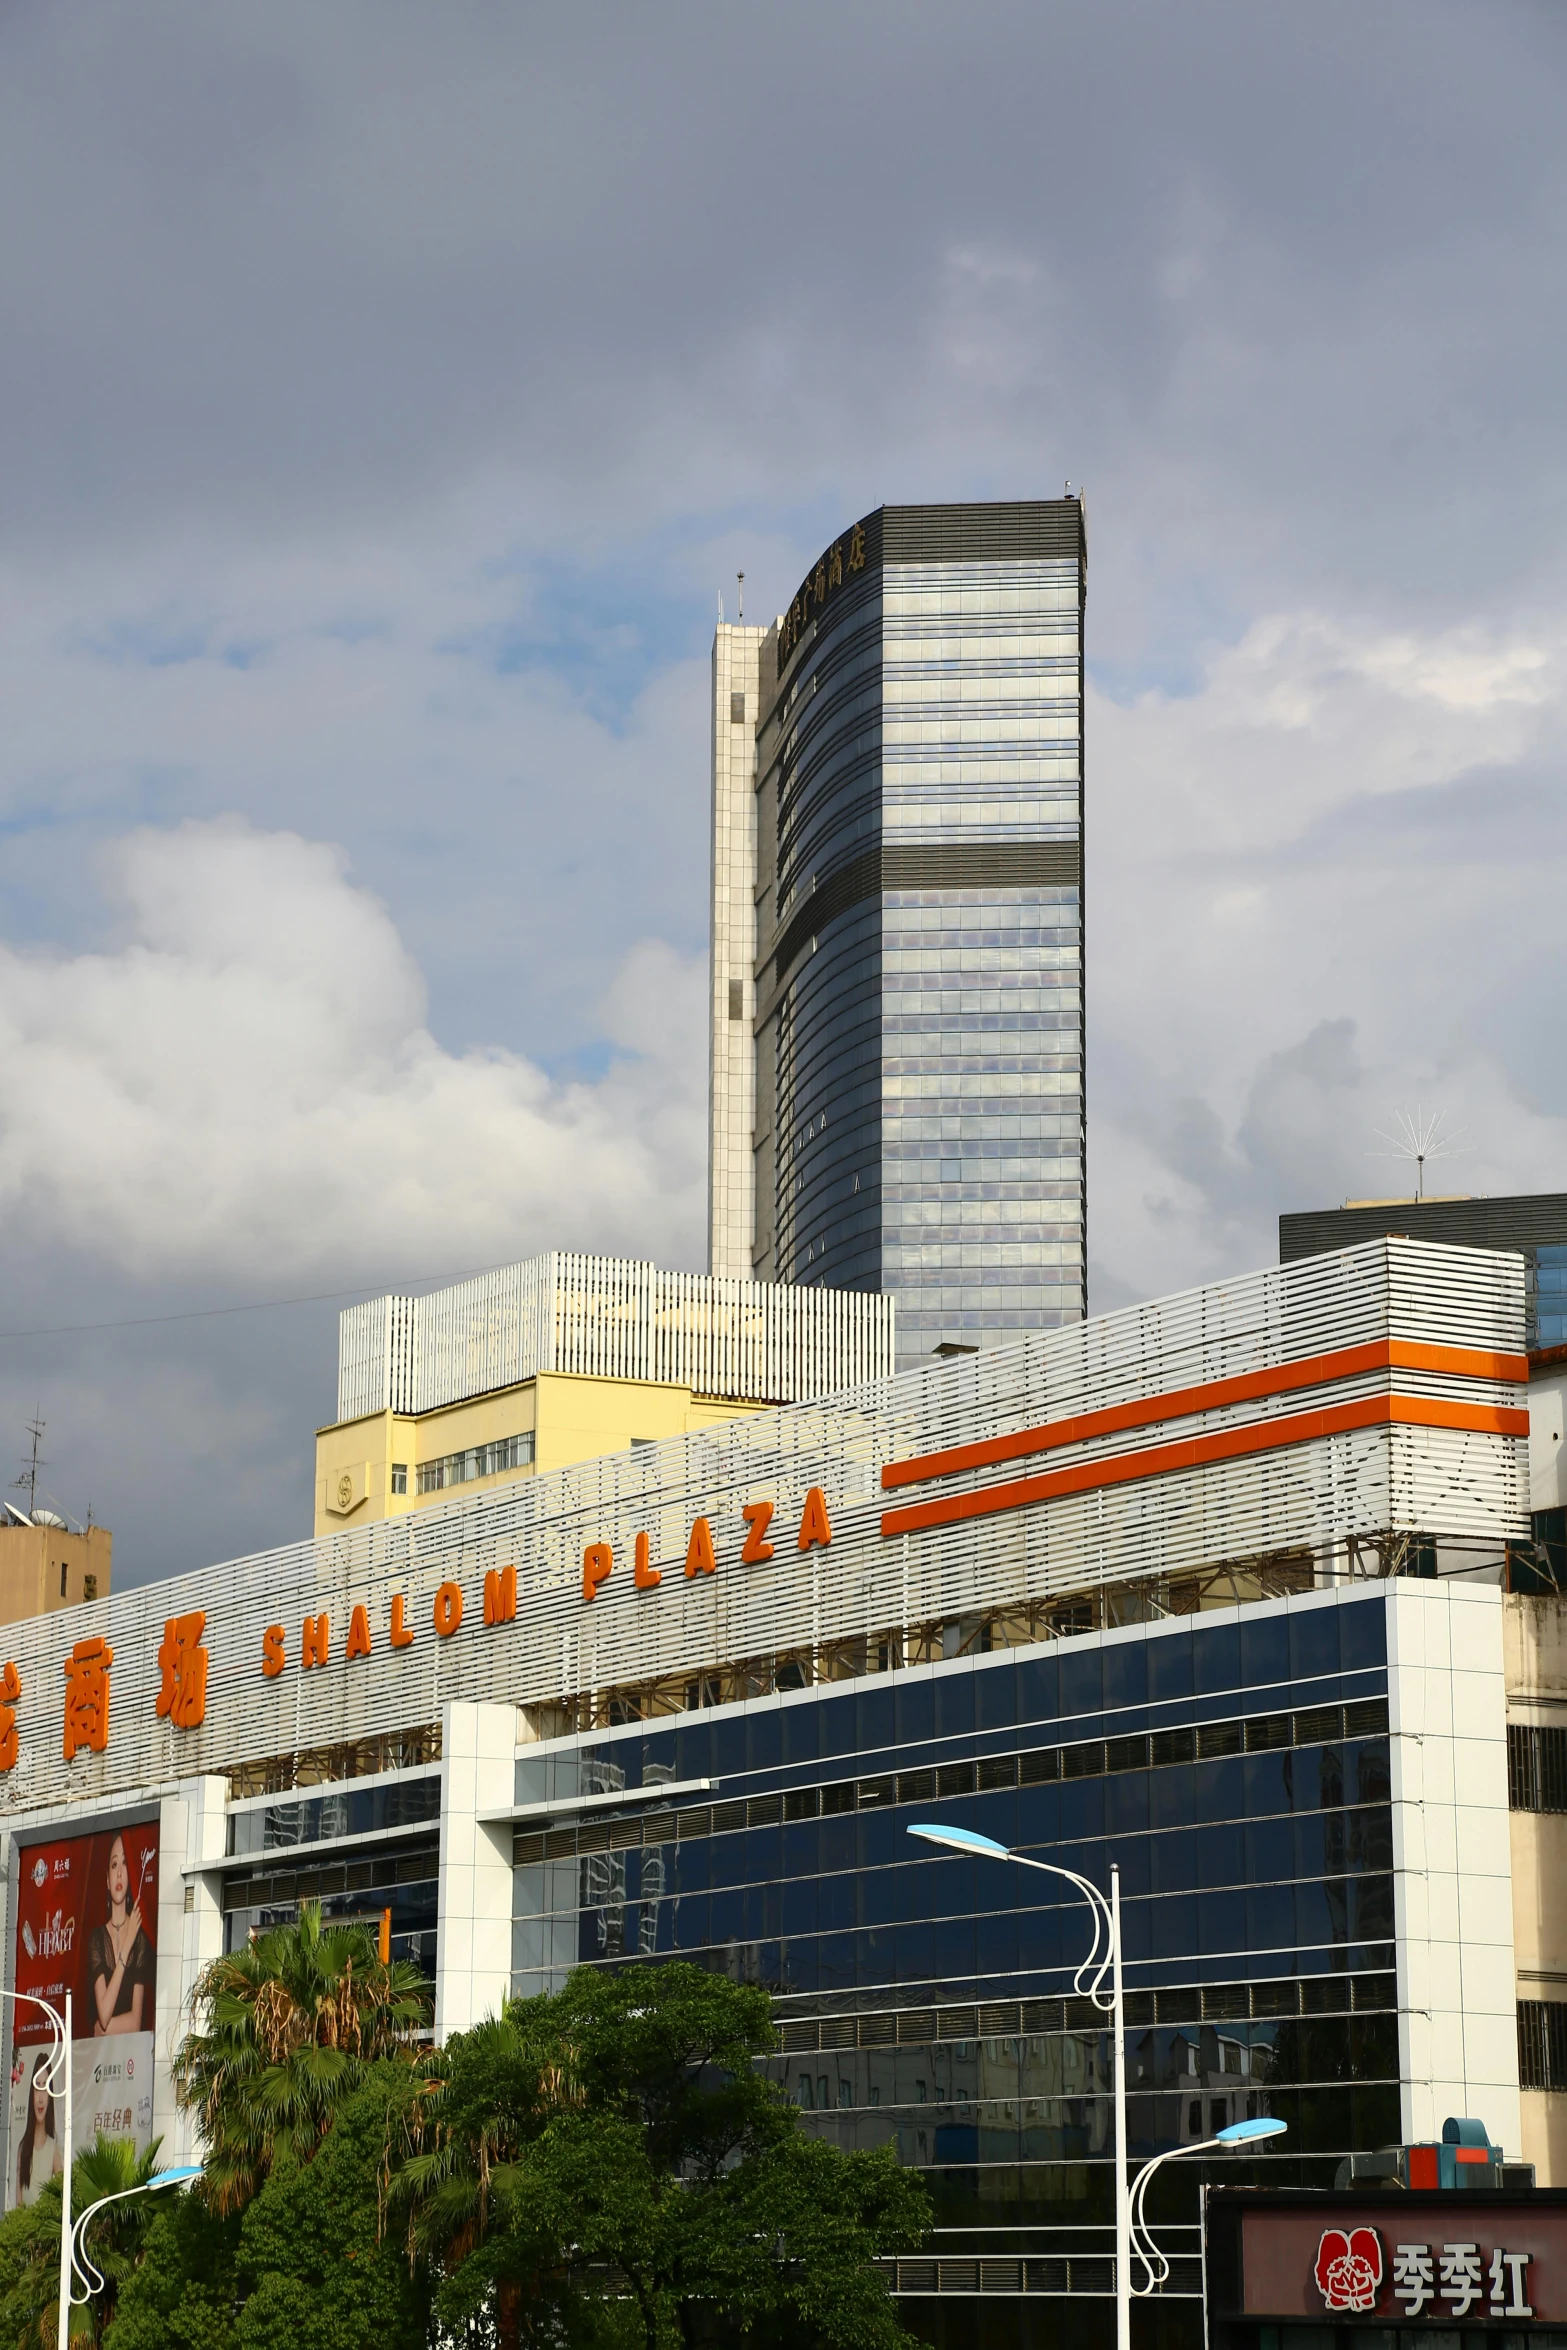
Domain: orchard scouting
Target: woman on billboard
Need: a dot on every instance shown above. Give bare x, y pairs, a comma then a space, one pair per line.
120, 1963
40, 2157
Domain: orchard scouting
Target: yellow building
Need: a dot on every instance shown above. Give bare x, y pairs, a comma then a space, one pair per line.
386, 1462
566, 1358
44, 1567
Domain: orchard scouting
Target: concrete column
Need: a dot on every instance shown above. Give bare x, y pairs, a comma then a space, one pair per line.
473, 1969
1452, 1859
192, 1833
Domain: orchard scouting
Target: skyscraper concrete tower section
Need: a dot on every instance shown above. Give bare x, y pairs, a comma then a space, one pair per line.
731, 977
897, 982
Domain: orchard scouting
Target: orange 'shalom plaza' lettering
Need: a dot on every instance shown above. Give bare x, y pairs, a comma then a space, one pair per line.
598, 1559
183, 1659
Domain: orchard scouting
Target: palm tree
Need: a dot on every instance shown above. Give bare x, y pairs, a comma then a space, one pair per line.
479, 2106
110, 2166
283, 2031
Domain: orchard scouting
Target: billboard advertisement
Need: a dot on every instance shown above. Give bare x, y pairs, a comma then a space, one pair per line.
86, 1922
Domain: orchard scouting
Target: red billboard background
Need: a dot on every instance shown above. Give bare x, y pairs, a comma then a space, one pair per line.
86, 1922
63, 1919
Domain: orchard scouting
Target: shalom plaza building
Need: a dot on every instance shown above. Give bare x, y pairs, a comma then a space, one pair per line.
1216, 1589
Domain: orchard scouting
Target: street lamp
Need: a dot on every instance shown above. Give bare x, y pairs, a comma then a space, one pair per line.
1156, 2266
1107, 1922
59, 2067
81, 2261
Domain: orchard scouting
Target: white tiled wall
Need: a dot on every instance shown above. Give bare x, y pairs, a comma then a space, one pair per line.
732, 1059
1451, 1855
473, 1965
192, 1833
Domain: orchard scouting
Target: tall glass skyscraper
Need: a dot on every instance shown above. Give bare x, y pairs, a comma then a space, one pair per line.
897, 983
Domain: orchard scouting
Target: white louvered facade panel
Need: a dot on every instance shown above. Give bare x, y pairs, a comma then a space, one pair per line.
609, 1318
1460, 1485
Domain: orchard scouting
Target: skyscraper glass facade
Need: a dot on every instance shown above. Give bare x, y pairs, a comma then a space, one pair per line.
982, 988
1236, 1772
923, 775
826, 809
1547, 1295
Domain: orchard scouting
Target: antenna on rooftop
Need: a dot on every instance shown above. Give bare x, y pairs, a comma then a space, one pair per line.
740, 579
29, 1476
1419, 1138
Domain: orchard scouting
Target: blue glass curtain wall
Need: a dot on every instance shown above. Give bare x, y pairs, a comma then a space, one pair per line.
355, 1886
1237, 1774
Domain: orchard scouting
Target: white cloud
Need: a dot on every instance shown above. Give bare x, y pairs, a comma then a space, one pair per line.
1323, 884
246, 1089
386, 395
519, 774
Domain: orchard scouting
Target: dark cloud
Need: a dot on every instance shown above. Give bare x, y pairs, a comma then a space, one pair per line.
271, 264
387, 393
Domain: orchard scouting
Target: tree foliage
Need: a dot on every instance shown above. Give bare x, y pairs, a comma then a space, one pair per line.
285, 2030
604, 2169
609, 2163
30, 2245
185, 2293
308, 2262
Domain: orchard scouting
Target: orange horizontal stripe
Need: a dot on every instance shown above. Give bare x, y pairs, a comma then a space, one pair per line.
1195, 1452
1381, 1354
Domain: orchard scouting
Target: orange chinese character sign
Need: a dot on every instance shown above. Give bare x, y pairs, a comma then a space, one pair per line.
10, 1691
182, 1694
87, 1697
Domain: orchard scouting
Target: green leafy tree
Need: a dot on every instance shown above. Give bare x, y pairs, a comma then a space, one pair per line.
306, 2266
184, 2291
487, 2101
315, 2265
609, 2164
284, 2030
30, 2271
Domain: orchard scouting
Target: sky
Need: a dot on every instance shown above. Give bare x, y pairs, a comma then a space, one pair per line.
388, 394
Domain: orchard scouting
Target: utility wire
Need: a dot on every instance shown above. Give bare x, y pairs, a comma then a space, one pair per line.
265, 1305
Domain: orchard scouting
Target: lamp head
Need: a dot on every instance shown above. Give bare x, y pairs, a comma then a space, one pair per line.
1243, 2133
180, 2176
962, 1840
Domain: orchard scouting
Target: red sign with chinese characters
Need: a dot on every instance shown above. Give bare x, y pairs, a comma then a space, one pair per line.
1442, 2260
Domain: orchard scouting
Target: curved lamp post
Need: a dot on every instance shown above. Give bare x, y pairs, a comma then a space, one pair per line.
1156, 2267
72, 2259
59, 2068
82, 2262
1106, 1912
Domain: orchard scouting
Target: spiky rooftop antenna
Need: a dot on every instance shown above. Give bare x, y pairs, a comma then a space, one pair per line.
1420, 1138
